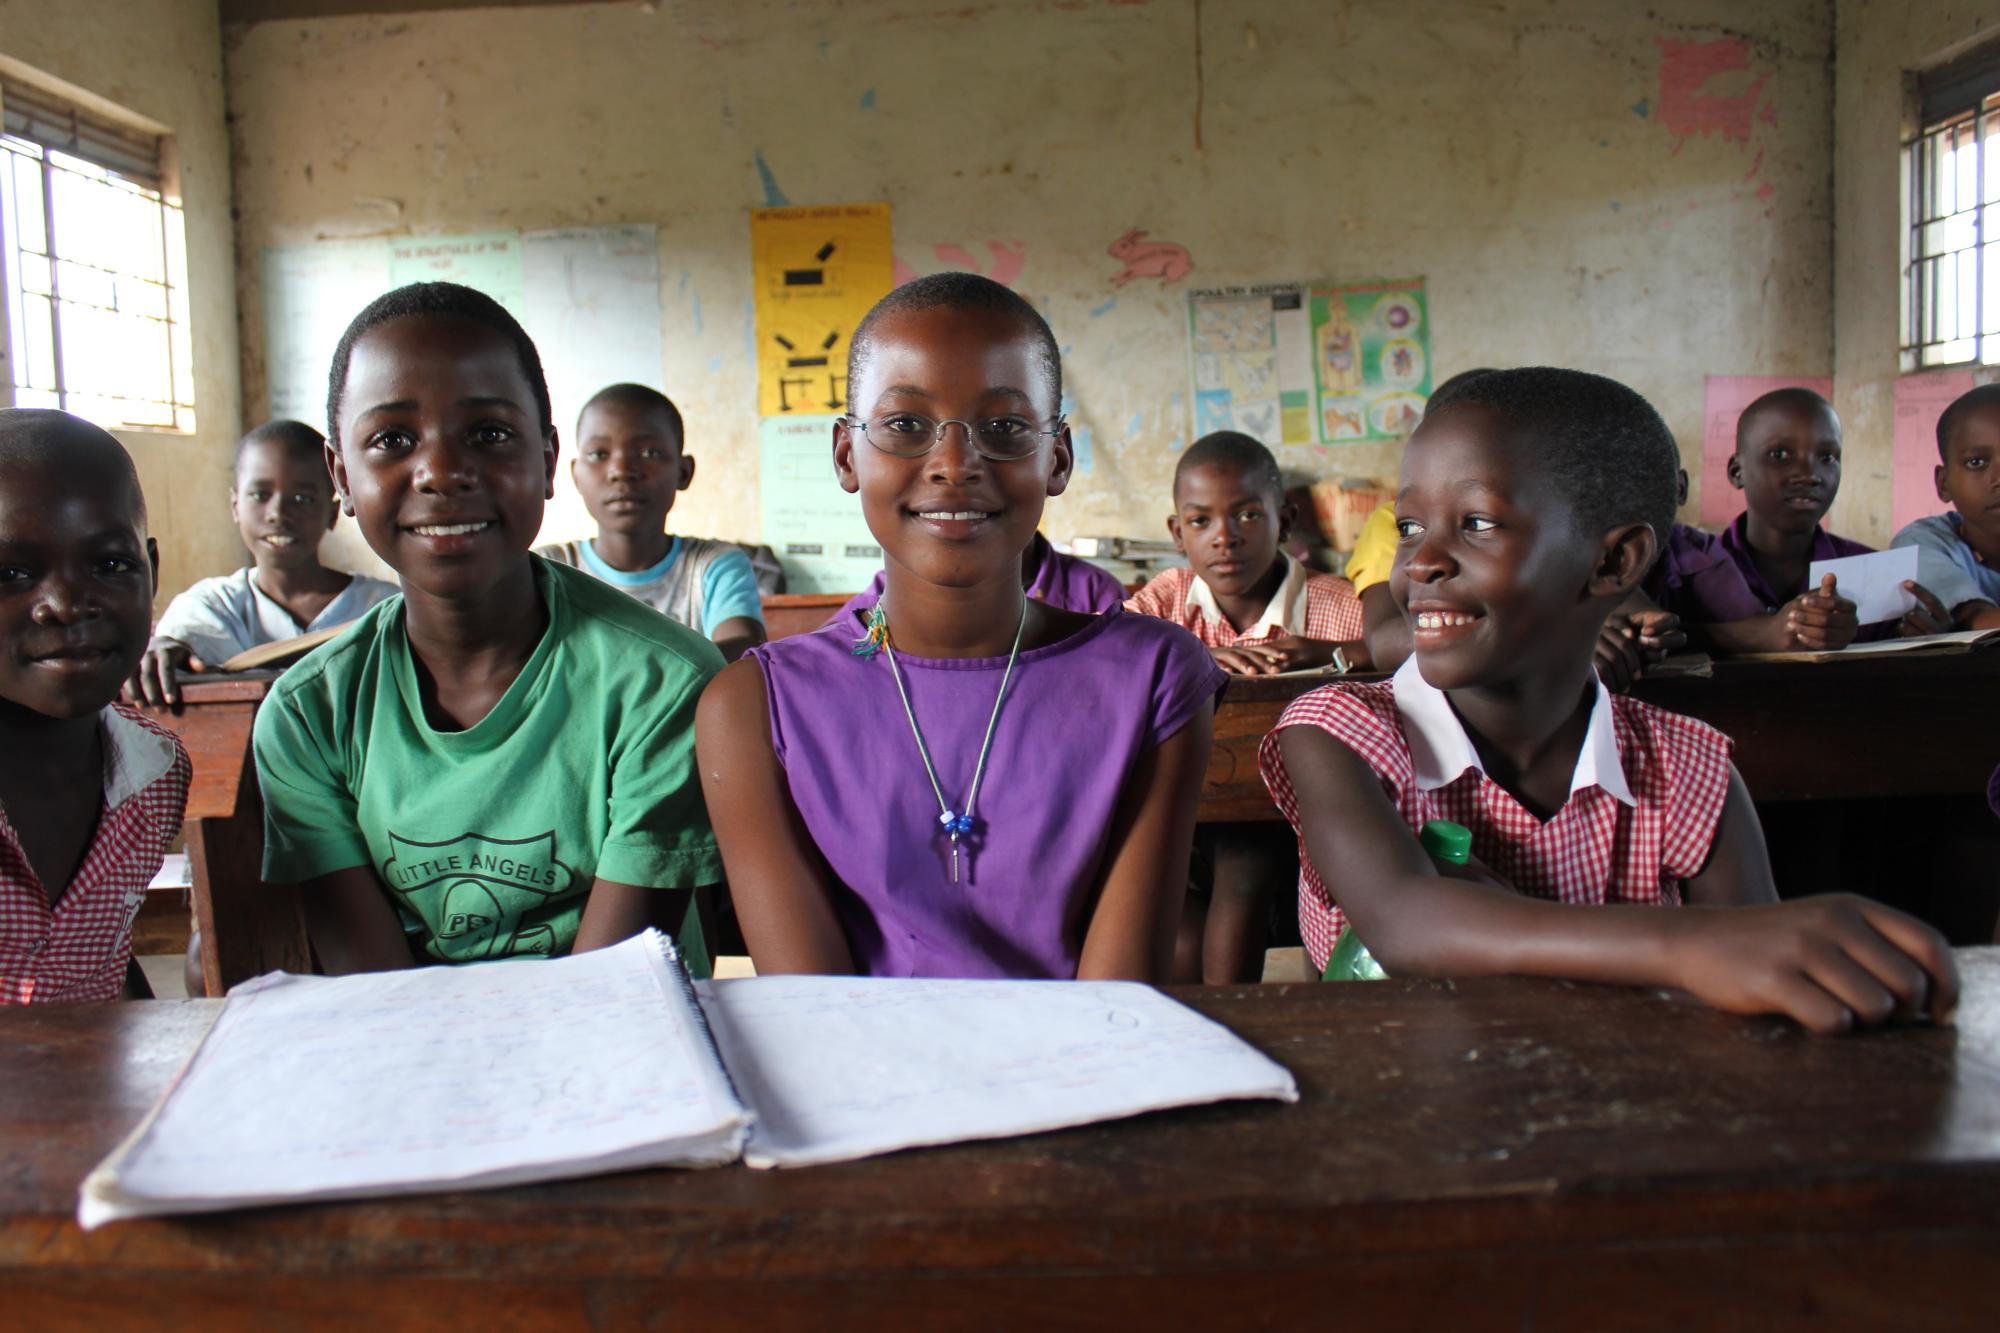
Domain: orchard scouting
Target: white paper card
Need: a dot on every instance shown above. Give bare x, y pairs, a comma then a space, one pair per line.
842, 1067
1873, 582
439, 1077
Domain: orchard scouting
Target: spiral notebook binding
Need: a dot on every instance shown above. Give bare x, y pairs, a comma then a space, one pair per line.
671, 954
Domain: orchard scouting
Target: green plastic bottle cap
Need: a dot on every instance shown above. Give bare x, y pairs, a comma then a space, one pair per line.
1447, 841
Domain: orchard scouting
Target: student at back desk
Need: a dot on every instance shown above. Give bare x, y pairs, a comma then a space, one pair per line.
631, 464
1960, 551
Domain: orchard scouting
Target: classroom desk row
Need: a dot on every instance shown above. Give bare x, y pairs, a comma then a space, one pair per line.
1854, 766
1500, 1153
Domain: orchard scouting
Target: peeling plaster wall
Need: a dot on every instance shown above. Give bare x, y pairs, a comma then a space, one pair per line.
162, 59
1640, 191
1878, 44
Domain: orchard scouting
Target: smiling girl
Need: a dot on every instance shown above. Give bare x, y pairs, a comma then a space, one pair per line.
1530, 505
499, 762
964, 781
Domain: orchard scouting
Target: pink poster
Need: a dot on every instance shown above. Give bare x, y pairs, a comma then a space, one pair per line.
1920, 401
1723, 399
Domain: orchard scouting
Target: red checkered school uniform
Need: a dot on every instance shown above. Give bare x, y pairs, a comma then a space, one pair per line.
80, 950
1641, 815
1307, 604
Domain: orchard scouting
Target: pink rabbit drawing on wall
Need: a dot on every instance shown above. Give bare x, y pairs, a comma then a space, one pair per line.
1149, 259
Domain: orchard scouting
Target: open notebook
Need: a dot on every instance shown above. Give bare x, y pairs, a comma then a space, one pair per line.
498, 1073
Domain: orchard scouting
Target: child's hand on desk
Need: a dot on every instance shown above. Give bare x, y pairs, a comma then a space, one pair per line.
1829, 962
1633, 640
155, 681
1928, 616
1817, 620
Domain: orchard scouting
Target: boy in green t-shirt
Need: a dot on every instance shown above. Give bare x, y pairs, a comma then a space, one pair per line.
499, 763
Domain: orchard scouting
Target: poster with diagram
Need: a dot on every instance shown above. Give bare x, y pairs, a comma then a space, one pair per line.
817, 529
814, 272
1371, 359
1250, 362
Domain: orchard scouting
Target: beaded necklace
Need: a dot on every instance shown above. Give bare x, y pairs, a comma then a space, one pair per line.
953, 822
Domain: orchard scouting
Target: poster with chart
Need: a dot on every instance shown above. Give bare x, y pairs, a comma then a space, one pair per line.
311, 292
816, 528
489, 261
814, 272
1371, 359
1250, 362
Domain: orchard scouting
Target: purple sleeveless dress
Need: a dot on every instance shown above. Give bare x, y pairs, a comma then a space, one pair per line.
1077, 718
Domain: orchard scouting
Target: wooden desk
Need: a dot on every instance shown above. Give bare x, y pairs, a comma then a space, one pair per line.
1877, 727
247, 927
789, 613
1487, 1154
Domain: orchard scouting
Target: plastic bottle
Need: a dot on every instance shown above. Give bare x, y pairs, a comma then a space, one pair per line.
1350, 959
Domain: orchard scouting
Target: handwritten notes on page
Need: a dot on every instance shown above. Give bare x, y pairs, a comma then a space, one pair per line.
335, 1087
844, 1067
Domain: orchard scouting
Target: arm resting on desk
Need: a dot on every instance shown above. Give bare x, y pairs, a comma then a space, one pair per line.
1826, 962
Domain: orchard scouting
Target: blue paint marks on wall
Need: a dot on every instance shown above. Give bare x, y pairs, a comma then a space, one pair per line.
1616, 205
750, 333
715, 365
1133, 426
1642, 108
1104, 309
683, 288
773, 196
697, 314
1086, 450
868, 100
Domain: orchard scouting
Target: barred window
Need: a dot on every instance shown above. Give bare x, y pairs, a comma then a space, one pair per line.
93, 266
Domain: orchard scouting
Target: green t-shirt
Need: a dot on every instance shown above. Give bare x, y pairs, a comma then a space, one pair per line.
488, 839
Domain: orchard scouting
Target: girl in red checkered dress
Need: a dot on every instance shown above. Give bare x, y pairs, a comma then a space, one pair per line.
91, 794
1530, 505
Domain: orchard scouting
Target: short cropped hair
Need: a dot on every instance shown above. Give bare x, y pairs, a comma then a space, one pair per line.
957, 291
295, 437
1232, 448
442, 299
1972, 400
1445, 392
42, 437
639, 398
1608, 452
1795, 396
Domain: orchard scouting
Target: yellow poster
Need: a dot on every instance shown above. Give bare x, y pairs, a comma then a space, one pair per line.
816, 271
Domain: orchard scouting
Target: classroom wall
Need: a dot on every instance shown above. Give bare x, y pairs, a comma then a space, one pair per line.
1640, 190
1878, 43
162, 59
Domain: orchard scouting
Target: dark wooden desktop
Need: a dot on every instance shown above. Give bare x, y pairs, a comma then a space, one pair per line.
1484, 1154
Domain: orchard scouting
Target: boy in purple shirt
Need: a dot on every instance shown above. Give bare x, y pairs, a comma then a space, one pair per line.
1787, 464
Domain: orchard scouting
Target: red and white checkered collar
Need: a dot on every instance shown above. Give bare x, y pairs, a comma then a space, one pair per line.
1441, 752
1285, 613
135, 756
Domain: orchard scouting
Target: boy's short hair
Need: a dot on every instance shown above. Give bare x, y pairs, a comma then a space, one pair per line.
295, 437
42, 437
640, 398
1448, 390
957, 291
1792, 396
1232, 448
436, 298
1608, 451
1972, 400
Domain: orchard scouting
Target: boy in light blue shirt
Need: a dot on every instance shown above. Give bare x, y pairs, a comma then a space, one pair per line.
1959, 552
629, 467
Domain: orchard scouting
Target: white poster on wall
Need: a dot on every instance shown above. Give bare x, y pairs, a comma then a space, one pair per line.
311, 292
816, 528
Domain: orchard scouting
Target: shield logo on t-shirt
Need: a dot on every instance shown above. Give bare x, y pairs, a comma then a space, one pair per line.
472, 891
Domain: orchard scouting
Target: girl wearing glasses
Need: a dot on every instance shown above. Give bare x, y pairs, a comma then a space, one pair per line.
961, 781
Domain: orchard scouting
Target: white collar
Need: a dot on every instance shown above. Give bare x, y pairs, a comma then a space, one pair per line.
1286, 610
1440, 751
135, 756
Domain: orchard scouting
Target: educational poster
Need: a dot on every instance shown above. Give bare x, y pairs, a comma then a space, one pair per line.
1723, 398
591, 301
311, 292
489, 261
1371, 359
1920, 401
814, 274
1250, 362
815, 527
